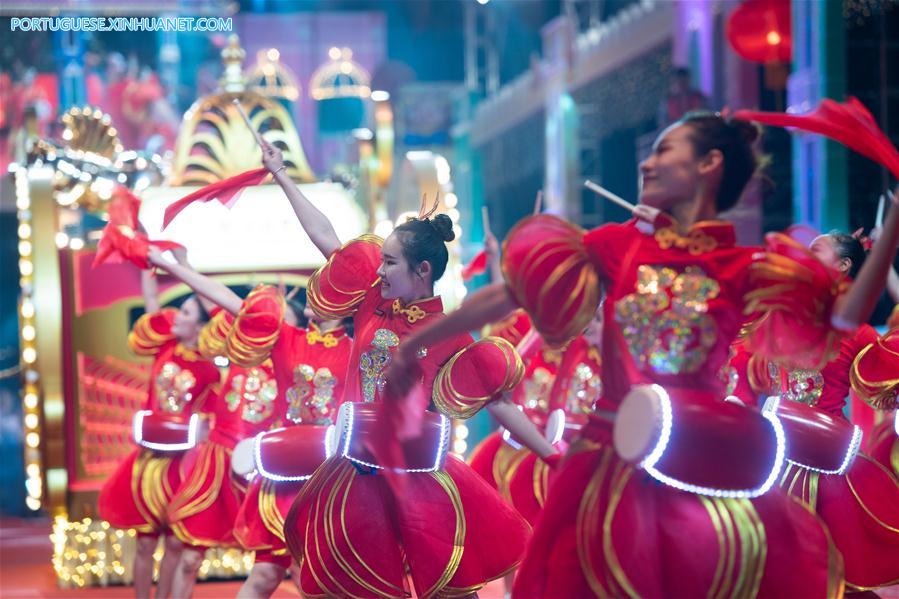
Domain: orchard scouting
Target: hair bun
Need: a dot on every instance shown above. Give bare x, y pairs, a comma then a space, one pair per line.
444, 227
748, 130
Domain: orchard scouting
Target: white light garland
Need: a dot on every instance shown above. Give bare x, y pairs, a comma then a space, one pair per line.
329, 449
193, 426
855, 442
345, 420
658, 451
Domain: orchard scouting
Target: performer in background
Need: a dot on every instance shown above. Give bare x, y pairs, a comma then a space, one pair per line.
858, 504
280, 375
310, 364
203, 510
350, 534
577, 385
139, 492
676, 288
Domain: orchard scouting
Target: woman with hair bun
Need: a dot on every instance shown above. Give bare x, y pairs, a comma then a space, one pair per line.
651, 499
448, 532
138, 493
857, 498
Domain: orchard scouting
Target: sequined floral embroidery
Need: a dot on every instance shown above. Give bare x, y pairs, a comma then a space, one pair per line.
804, 386
665, 322
373, 362
173, 388
256, 392
584, 390
728, 374
536, 390
311, 399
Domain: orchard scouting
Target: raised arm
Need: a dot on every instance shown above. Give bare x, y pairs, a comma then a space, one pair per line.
150, 288
317, 226
856, 306
212, 290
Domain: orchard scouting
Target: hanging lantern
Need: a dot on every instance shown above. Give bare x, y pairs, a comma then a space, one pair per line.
340, 86
759, 31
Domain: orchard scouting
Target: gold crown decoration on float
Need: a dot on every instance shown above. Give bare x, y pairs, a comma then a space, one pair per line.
270, 77
340, 77
89, 160
90, 130
214, 142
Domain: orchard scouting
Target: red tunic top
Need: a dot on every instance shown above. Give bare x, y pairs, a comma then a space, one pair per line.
180, 378
138, 494
447, 531
349, 285
309, 365
673, 305
827, 388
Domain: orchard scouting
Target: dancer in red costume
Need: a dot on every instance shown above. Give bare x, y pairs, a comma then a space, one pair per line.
675, 296
857, 499
138, 494
498, 456
309, 368
576, 386
351, 535
205, 505
259, 342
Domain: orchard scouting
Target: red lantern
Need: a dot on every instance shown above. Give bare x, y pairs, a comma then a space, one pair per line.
759, 31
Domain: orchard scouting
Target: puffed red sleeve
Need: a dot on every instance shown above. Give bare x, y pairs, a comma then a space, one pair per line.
549, 273
790, 302
874, 375
512, 329
152, 332
476, 375
213, 338
338, 287
256, 327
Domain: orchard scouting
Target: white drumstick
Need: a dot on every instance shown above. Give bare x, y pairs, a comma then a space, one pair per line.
246, 119
878, 222
608, 195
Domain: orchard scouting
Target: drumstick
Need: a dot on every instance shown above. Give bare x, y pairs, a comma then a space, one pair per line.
608, 195
246, 120
485, 217
538, 202
878, 221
